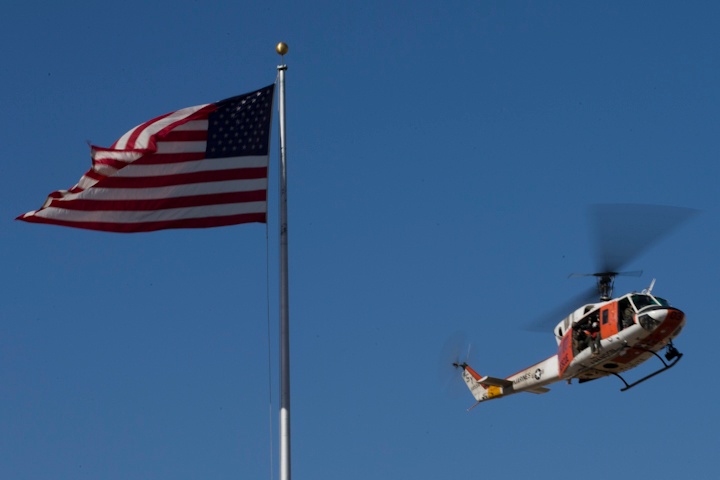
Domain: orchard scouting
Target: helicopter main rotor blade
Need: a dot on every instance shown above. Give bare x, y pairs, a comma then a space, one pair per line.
623, 231
553, 317
633, 273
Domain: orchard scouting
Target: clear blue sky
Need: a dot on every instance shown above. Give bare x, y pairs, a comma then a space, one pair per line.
441, 160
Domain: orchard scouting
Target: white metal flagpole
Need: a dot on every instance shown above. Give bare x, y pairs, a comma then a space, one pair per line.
282, 49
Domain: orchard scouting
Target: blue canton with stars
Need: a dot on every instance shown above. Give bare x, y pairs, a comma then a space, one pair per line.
241, 125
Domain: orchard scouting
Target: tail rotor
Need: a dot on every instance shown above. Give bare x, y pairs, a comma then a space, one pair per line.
454, 356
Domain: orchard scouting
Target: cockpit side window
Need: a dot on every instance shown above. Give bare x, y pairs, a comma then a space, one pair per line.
626, 314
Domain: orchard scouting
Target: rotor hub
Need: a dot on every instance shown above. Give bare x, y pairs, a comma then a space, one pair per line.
605, 284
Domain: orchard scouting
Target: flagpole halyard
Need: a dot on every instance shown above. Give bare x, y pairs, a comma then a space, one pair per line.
282, 49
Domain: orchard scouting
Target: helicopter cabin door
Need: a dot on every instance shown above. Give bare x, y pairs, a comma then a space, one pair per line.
609, 320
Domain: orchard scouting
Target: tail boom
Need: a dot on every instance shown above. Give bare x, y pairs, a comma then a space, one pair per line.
532, 379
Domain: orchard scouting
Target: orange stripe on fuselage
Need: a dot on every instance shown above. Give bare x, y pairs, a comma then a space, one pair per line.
565, 352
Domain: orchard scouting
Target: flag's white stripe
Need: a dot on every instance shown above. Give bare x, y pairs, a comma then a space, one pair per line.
193, 125
104, 170
85, 182
118, 155
175, 191
144, 136
135, 170
109, 216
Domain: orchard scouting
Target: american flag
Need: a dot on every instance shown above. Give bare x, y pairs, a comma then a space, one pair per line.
202, 166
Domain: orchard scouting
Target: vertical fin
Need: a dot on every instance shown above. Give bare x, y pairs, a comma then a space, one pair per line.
472, 380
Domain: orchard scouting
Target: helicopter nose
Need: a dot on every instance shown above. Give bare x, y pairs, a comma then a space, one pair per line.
658, 315
650, 319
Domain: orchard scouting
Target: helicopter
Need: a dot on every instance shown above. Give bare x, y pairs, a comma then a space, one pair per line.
604, 335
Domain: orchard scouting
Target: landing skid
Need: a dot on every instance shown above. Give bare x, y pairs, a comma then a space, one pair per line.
672, 354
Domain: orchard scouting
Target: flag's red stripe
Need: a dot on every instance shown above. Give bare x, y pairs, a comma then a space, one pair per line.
164, 158
184, 136
205, 222
183, 178
94, 175
161, 203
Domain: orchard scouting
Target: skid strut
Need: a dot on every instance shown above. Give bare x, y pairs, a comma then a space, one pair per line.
673, 357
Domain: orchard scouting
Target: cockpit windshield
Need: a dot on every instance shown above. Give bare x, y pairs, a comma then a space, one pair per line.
641, 301
663, 302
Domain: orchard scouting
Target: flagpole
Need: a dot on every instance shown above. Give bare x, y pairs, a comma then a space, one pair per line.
282, 49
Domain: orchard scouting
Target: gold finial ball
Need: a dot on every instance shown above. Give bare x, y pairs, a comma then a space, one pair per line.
281, 48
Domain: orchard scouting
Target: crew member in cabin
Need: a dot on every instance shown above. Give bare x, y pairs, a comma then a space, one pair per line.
581, 339
593, 333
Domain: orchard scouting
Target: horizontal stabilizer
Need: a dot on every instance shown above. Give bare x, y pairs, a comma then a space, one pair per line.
495, 382
537, 390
